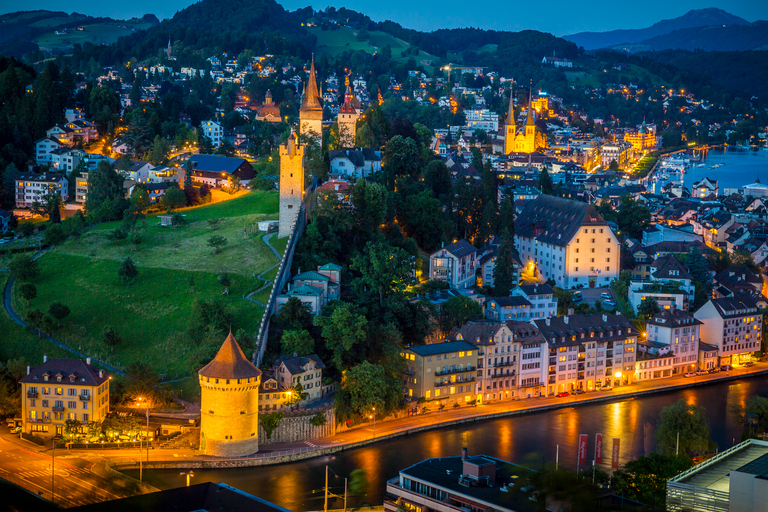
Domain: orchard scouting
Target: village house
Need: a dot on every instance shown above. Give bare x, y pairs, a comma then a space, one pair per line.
213, 131
43, 149
314, 288
454, 264
32, 187
290, 371
668, 282
678, 331
216, 171
355, 163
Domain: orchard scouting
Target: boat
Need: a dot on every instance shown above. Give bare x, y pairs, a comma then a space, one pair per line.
701, 165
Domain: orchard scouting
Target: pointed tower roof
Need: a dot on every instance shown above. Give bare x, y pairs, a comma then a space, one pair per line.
530, 121
311, 99
230, 363
511, 110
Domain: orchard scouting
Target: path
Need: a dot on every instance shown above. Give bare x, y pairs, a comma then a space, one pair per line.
265, 238
8, 305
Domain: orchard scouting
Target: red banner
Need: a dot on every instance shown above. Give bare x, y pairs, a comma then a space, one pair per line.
598, 448
615, 453
583, 449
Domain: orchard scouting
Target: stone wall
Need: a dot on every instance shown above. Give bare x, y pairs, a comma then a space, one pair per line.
297, 427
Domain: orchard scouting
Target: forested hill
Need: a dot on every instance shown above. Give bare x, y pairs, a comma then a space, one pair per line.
753, 36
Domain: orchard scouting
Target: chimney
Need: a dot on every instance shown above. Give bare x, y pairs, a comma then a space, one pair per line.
547, 321
565, 319
605, 318
88, 361
295, 354
464, 453
45, 358
28, 369
571, 311
101, 374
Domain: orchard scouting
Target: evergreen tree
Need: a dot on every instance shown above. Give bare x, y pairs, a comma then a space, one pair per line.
504, 269
546, 184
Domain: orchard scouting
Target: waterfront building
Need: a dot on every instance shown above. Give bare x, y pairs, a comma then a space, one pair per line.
542, 298
459, 484
589, 351
619, 152
530, 372
678, 331
229, 403
566, 241
307, 371
705, 188
454, 264
441, 371
62, 390
733, 325
291, 183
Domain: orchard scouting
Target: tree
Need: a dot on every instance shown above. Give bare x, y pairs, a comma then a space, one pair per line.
35, 318
214, 224
690, 423
344, 330
296, 394
54, 235
401, 158
438, 179
26, 228
425, 220
504, 275
173, 198
269, 422
127, 270
105, 200
613, 166
385, 270
178, 220
648, 308
24, 268
753, 414
370, 206
211, 313
294, 316
358, 484
366, 385
217, 242
546, 184
28, 291
58, 311
297, 342
111, 337
457, 311
645, 478
48, 205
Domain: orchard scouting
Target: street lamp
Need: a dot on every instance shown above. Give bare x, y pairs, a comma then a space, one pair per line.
374, 421
141, 475
189, 475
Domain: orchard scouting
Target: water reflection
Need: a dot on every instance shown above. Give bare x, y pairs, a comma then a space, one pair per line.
530, 439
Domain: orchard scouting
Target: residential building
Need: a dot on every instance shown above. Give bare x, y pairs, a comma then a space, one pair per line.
567, 241
31, 187
156, 190
355, 163
441, 371
137, 170
216, 171
66, 159
542, 298
81, 188
705, 188
654, 361
481, 119
557, 62
454, 264
213, 131
43, 149
460, 484
272, 396
589, 351
678, 331
619, 152
62, 390
668, 282
502, 309
486, 263
733, 325
708, 356
315, 289
532, 363
290, 371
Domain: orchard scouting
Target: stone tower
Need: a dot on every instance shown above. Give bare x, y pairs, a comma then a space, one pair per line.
311, 111
530, 124
510, 129
291, 183
229, 403
347, 120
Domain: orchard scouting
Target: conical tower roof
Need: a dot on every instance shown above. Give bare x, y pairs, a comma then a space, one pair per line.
530, 121
311, 99
230, 363
511, 111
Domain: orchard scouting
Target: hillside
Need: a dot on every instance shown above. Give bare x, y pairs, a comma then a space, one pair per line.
691, 19
753, 36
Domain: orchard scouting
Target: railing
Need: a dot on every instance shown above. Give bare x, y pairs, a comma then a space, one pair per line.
57, 409
32, 395
444, 384
450, 371
208, 459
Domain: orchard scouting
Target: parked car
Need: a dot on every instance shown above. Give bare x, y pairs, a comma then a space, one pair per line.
563, 394
726, 368
609, 303
15, 430
578, 391
605, 295
702, 372
577, 296
689, 374
749, 364
714, 370
606, 388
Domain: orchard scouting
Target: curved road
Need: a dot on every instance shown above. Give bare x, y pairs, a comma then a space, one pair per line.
265, 238
8, 305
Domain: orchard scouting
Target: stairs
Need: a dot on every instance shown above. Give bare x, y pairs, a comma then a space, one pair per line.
185, 440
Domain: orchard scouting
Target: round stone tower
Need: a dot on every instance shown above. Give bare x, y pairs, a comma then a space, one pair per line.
229, 408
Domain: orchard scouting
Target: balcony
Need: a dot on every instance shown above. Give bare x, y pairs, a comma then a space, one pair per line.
85, 398
452, 370
57, 409
444, 384
31, 394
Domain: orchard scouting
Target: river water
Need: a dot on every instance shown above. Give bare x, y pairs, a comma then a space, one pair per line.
528, 439
737, 167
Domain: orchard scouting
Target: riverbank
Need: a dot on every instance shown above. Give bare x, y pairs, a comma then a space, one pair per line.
387, 430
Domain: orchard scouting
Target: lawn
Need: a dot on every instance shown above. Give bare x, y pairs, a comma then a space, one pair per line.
175, 269
96, 33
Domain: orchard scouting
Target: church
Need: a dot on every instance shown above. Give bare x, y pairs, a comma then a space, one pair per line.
526, 139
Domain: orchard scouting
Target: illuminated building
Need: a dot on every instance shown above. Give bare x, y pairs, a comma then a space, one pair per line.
311, 111
347, 120
642, 139
291, 183
268, 112
527, 139
441, 371
733, 325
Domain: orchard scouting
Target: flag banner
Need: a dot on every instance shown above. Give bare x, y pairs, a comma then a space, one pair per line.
583, 449
598, 448
615, 453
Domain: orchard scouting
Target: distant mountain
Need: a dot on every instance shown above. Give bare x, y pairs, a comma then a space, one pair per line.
753, 36
691, 19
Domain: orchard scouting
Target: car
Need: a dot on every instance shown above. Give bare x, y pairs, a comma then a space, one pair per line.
15, 430
689, 374
749, 364
605, 295
726, 368
578, 391
702, 372
606, 388
714, 370
563, 394
609, 303
577, 297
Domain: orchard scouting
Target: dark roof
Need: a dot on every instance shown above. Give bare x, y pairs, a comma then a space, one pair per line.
525, 332
759, 466
669, 267
537, 289
738, 273
163, 185
555, 220
213, 163
296, 364
356, 157
592, 326
85, 374
460, 249
507, 302
706, 347
441, 348
230, 363
736, 306
311, 275
673, 318
480, 332
206, 496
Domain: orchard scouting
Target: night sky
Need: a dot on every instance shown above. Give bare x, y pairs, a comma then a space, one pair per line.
559, 17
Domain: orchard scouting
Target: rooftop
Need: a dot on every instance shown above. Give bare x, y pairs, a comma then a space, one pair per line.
85, 374
555, 220
230, 363
715, 473
441, 348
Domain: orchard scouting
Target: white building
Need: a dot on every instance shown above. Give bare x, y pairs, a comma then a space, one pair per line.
454, 264
542, 298
733, 325
481, 119
355, 163
680, 332
669, 283
213, 131
567, 241
30, 187
66, 159
43, 149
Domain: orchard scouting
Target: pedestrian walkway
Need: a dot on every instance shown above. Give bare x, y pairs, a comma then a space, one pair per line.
267, 283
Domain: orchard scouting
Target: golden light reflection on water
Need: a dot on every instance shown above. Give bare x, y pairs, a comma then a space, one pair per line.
505, 439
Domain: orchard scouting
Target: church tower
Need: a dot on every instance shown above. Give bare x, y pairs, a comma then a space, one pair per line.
347, 120
291, 183
530, 123
229, 403
311, 112
510, 129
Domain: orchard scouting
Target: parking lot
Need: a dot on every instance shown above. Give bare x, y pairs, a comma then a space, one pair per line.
592, 295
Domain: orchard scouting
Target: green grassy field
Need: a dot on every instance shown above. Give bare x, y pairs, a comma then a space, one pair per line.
176, 269
96, 33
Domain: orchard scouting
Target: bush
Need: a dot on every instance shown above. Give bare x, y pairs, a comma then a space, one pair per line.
54, 234
24, 268
127, 270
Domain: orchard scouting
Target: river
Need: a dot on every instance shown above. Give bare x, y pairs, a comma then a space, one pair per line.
528, 439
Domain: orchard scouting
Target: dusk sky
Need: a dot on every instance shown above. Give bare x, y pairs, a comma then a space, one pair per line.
559, 17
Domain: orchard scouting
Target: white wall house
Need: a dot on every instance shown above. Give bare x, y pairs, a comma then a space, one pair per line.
680, 332
454, 264
733, 325
30, 187
355, 163
213, 131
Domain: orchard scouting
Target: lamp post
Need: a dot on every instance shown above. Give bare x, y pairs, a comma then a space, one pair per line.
189, 475
373, 416
325, 506
141, 471
53, 462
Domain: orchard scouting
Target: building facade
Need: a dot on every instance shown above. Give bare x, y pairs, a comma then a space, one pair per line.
454, 264
680, 332
311, 111
291, 184
62, 390
213, 131
734, 326
32, 187
441, 371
